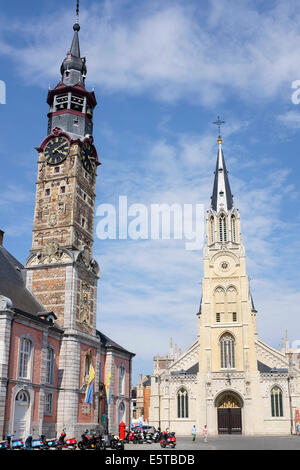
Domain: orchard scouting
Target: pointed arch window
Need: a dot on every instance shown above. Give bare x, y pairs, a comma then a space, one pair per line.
211, 227
227, 351
233, 228
222, 228
182, 403
276, 402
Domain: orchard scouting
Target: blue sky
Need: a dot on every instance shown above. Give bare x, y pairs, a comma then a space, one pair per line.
162, 72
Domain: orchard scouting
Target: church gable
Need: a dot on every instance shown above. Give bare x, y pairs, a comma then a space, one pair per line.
269, 356
187, 360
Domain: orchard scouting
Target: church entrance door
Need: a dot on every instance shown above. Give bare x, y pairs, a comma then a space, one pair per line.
229, 414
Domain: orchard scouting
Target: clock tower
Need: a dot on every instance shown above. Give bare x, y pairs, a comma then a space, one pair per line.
61, 271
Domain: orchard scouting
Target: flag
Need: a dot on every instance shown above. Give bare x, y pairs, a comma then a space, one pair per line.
107, 388
90, 386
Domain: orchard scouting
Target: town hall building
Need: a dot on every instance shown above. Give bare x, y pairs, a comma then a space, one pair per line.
228, 379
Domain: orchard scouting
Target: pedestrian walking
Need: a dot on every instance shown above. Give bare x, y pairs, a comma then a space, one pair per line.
205, 433
194, 433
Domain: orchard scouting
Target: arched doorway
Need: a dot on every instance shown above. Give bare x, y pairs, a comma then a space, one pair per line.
229, 409
21, 415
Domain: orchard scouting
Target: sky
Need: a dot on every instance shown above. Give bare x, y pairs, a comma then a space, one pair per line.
162, 73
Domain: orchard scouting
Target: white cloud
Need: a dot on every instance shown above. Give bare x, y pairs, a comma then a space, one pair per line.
172, 50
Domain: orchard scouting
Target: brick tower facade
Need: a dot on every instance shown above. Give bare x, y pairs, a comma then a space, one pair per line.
61, 271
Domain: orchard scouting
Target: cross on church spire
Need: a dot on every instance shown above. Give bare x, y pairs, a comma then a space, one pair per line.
219, 123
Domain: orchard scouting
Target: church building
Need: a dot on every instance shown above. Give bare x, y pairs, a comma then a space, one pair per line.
228, 379
49, 344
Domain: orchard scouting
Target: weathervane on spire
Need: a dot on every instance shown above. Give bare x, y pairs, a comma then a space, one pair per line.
219, 124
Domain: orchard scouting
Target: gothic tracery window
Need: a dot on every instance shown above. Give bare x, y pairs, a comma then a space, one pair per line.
211, 226
222, 228
276, 402
182, 403
227, 351
233, 228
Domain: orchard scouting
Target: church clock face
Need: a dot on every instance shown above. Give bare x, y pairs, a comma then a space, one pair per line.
87, 156
56, 150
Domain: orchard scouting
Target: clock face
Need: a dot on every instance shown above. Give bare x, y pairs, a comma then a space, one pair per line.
56, 150
87, 155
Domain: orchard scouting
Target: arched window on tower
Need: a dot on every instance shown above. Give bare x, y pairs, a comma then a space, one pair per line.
182, 403
211, 229
233, 228
227, 351
87, 366
276, 402
222, 228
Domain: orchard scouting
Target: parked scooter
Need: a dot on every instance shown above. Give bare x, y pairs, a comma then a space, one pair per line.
5, 445
33, 444
64, 443
16, 444
49, 444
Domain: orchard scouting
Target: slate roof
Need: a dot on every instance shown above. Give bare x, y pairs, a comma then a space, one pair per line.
106, 342
221, 181
12, 284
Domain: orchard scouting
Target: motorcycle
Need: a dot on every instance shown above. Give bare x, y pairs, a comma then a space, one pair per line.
85, 442
64, 443
157, 436
168, 440
116, 443
147, 437
99, 442
130, 437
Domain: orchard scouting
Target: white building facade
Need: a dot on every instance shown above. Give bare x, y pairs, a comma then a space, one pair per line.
228, 378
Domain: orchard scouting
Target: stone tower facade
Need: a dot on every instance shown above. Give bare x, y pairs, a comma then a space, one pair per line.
227, 320
228, 379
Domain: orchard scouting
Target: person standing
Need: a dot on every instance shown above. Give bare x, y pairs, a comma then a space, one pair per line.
205, 433
194, 433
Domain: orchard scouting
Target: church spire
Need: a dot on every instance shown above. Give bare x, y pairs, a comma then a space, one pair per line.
73, 68
221, 196
71, 104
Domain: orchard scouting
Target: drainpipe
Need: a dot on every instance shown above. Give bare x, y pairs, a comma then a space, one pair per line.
7, 382
290, 401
